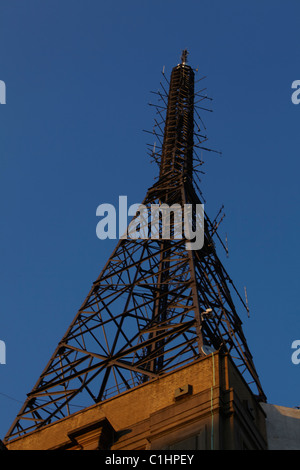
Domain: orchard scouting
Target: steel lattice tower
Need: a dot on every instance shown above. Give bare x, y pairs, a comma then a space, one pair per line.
155, 306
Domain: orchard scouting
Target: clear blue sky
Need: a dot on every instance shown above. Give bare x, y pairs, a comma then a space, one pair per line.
78, 76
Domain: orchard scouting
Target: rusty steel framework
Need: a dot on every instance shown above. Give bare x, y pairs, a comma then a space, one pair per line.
156, 305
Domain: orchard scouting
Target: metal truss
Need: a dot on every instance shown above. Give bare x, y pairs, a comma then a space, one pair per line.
155, 306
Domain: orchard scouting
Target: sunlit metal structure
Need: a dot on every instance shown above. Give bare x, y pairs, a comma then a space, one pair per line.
156, 305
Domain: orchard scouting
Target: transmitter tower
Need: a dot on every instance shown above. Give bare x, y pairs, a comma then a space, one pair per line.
158, 308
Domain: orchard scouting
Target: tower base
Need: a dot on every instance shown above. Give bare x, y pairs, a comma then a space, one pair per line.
203, 405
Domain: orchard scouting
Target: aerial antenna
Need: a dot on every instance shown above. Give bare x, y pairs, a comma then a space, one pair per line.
216, 222
226, 246
184, 57
247, 306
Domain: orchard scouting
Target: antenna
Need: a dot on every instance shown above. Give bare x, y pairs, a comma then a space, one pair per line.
247, 306
216, 222
184, 56
226, 246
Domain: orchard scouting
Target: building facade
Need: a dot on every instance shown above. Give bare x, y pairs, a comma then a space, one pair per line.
201, 406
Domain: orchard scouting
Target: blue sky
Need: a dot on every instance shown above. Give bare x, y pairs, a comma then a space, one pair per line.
78, 77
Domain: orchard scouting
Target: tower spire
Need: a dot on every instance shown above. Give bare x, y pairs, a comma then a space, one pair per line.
177, 150
184, 57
